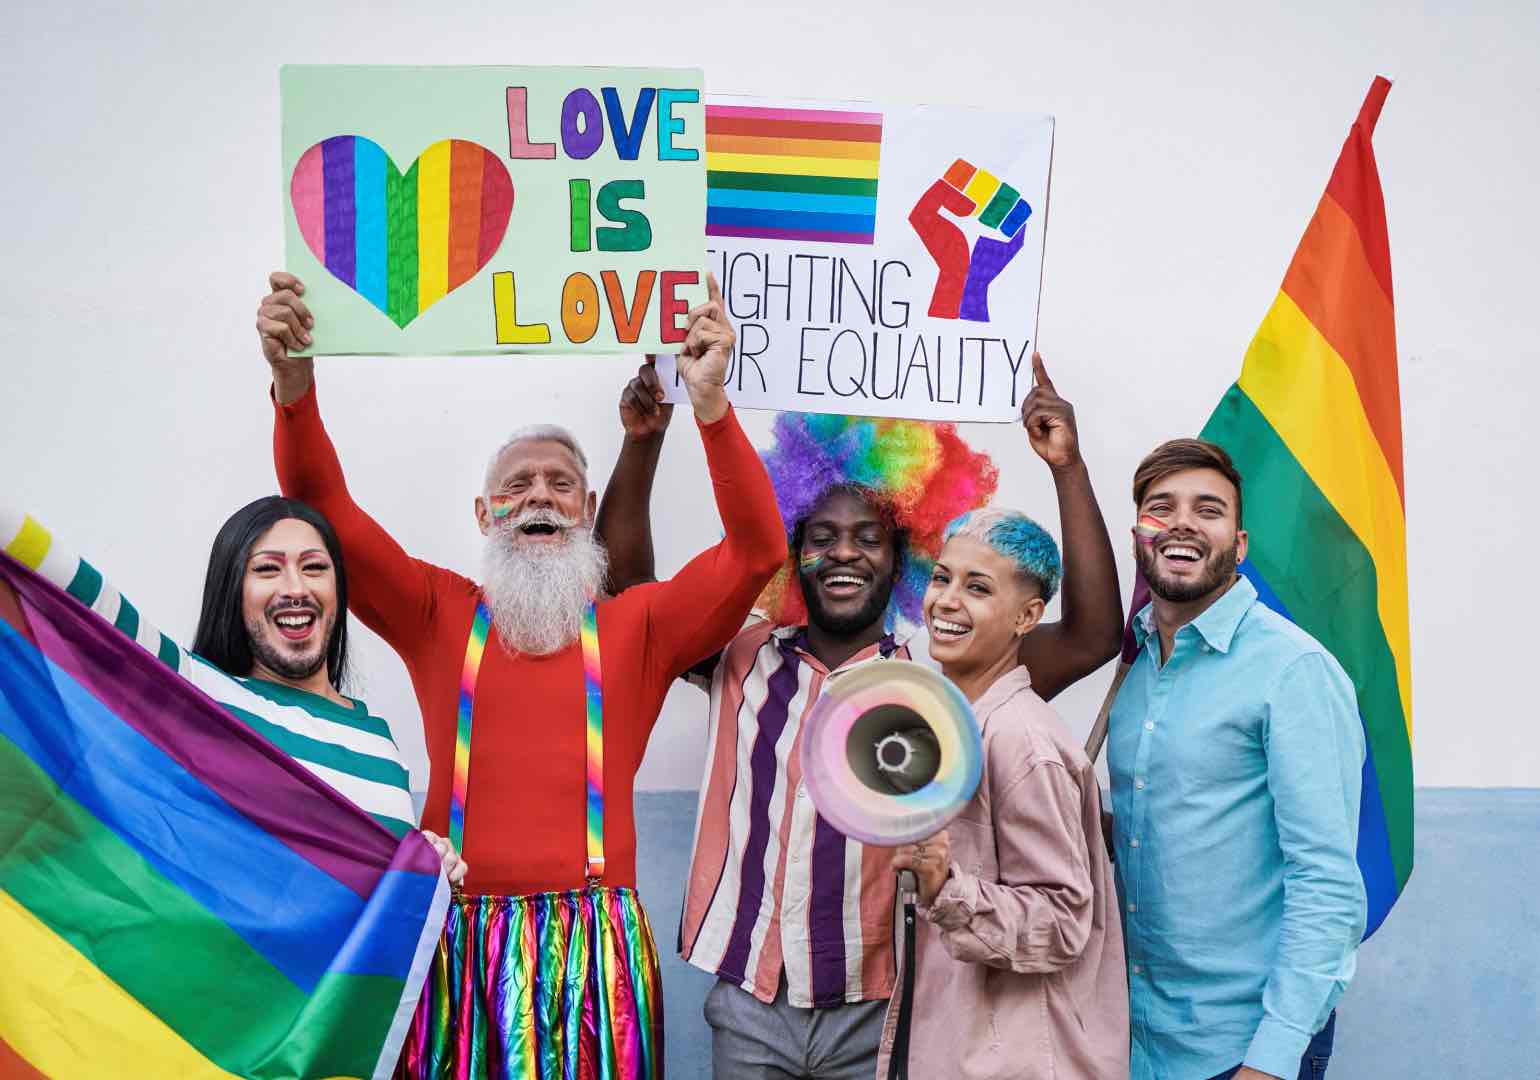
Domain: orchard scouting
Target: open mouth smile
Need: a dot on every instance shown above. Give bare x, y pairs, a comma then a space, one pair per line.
947, 630
538, 528
843, 583
1181, 554
295, 625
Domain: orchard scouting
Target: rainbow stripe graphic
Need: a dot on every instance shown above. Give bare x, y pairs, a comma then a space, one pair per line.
792, 174
177, 896
593, 694
1314, 425
403, 243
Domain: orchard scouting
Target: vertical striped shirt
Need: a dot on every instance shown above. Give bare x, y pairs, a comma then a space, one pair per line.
774, 889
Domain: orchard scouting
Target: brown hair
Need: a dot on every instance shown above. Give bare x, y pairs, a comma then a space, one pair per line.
1179, 455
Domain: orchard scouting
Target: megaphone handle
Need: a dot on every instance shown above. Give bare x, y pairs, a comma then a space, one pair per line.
898, 1058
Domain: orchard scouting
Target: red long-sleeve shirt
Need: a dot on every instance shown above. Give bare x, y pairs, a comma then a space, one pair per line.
525, 811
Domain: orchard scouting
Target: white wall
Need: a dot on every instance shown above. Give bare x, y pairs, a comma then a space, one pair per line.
141, 192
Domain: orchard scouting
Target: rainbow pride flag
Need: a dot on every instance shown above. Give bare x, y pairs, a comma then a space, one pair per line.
402, 242
177, 896
792, 173
1314, 425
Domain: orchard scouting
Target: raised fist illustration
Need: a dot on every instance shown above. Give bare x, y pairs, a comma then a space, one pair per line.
963, 276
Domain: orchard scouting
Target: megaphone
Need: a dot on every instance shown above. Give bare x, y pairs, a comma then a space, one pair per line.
891, 752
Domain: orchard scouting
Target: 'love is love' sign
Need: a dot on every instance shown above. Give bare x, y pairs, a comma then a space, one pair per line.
877, 260
485, 209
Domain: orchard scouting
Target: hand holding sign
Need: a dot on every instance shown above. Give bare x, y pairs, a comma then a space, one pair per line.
1050, 421
708, 346
643, 413
963, 279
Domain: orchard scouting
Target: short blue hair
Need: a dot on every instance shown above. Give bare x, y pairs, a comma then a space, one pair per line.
1020, 539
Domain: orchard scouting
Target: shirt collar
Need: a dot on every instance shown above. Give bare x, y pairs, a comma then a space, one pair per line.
1217, 624
794, 639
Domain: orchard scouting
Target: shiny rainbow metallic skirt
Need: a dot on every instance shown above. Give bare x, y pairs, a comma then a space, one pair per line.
554, 986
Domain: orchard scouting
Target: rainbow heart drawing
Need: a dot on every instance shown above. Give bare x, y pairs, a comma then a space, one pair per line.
402, 242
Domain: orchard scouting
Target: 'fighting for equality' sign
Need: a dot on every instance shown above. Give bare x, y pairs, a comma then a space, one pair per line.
878, 260
485, 209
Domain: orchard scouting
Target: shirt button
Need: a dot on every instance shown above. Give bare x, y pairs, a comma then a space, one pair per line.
1206, 647
1133, 907
1149, 725
1134, 842
1139, 784
1138, 970
801, 792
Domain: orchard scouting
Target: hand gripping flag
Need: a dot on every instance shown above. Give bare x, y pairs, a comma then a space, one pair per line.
178, 897
1314, 426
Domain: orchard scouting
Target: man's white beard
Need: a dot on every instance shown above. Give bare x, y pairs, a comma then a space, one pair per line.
537, 592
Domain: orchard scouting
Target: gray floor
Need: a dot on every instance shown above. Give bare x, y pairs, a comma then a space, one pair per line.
1449, 988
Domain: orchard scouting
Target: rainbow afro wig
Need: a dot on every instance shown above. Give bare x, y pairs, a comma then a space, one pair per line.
920, 474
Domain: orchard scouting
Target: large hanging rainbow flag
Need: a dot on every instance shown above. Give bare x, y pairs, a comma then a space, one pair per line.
1314, 426
177, 896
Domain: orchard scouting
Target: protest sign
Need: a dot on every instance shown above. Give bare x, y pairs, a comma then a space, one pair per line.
489, 209
877, 260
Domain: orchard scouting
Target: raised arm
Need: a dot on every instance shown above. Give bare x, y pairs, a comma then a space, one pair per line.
625, 512
697, 611
1090, 630
388, 589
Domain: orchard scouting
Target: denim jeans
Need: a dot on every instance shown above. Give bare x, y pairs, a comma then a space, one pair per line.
1313, 1065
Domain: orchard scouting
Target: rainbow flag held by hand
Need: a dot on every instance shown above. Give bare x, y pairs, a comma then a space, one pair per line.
177, 896
1314, 426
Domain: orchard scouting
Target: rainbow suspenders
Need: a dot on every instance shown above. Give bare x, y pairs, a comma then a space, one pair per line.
459, 784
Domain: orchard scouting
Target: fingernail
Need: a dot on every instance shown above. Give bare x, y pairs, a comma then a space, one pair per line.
309, 320
305, 338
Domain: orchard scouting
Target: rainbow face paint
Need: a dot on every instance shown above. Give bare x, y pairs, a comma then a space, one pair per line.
1148, 528
810, 563
500, 506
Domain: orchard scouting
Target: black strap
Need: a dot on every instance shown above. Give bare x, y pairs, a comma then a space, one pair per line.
898, 1059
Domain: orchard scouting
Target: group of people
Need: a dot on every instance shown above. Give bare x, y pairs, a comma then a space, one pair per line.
1208, 932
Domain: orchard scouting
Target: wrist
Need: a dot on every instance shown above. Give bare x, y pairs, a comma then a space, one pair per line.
709, 402
1074, 469
292, 379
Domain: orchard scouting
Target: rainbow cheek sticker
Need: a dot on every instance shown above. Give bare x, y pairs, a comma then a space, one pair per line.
501, 506
846, 801
810, 563
1148, 528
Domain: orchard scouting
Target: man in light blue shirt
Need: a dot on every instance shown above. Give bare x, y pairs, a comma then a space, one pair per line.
1235, 752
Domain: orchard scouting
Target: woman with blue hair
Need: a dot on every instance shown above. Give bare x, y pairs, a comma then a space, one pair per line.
1019, 957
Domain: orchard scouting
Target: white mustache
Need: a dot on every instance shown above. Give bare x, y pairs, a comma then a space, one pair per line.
541, 515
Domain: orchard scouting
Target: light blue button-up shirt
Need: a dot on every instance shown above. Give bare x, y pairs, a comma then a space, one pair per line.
1236, 772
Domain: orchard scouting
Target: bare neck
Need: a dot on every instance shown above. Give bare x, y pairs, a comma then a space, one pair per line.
975, 680
834, 649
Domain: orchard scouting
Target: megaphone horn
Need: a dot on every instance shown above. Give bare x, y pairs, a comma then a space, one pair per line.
891, 752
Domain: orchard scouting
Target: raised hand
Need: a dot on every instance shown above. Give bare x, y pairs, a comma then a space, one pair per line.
1050, 421
643, 413
284, 323
708, 348
963, 277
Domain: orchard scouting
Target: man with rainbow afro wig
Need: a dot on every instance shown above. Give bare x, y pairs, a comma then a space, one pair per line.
794, 919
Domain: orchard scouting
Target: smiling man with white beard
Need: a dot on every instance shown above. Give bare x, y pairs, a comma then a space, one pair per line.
538, 693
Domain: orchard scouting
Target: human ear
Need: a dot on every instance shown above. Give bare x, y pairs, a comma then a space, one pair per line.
483, 516
1029, 616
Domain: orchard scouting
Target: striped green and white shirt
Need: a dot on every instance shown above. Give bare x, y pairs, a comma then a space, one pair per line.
346, 747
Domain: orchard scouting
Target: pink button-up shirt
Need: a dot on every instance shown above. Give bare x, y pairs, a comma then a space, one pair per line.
1019, 961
